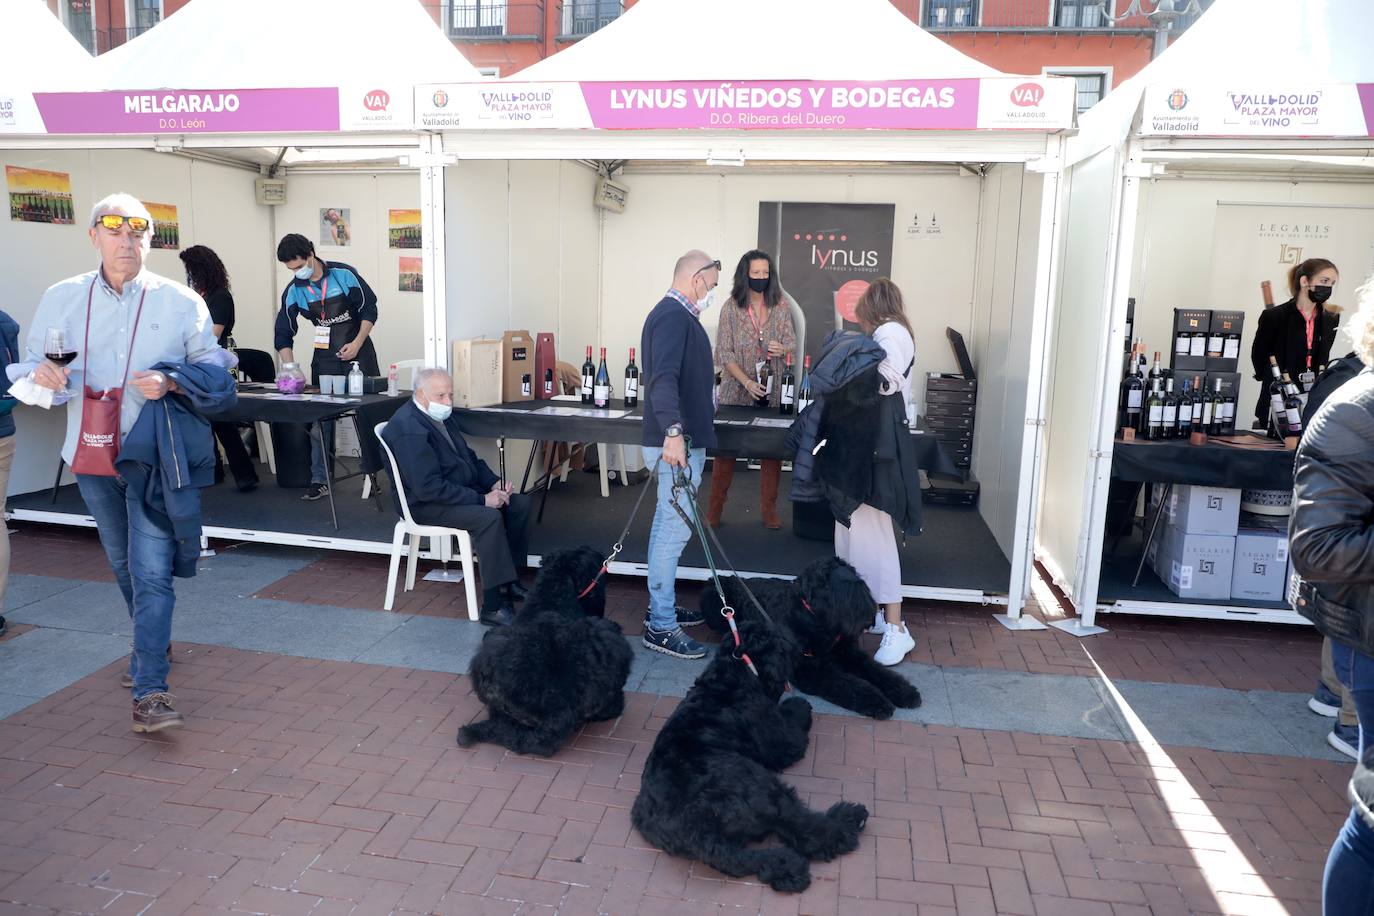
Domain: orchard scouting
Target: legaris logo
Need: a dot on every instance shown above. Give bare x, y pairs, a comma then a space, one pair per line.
1214, 502
1261, 568
1207, 567
376, 100
1178, 100
1290, 254
1028, 95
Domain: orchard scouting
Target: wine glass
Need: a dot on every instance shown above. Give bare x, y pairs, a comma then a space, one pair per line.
59, 351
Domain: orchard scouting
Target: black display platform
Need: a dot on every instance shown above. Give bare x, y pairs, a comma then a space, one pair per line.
1118, 569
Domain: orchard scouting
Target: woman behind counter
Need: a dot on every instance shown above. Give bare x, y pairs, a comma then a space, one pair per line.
1299, 333
755, 327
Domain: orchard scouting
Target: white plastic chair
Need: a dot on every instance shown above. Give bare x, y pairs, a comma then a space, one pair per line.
441, 537
414, 365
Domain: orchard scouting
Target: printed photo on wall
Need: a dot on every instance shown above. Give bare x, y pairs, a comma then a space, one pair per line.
37, 196
336, 227
412, 277
166, 232
403, 228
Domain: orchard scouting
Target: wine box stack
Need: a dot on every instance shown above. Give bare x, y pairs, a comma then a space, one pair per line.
1206, 341
1208, 549
951, 406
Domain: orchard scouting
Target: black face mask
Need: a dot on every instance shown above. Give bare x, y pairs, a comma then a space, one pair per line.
759, 284
1319, 294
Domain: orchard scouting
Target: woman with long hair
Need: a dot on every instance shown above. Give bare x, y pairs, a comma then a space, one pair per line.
1299, 333
755, 328
205, 273
869, 543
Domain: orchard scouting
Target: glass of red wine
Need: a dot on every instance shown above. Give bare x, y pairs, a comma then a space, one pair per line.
59, 351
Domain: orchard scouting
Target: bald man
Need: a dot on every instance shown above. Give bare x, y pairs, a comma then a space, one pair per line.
679, 426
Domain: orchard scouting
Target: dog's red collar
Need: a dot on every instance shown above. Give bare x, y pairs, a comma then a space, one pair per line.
806, 605
592, 584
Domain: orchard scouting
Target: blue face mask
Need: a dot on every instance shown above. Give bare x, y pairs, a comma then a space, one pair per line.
439, 411
304, 272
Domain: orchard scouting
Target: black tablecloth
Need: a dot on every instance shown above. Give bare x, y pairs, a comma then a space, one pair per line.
1210, 465
370, 409
520, 421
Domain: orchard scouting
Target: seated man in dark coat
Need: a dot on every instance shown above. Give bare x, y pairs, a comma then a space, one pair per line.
447, 484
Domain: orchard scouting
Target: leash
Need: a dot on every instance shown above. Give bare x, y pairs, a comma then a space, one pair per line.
619, 544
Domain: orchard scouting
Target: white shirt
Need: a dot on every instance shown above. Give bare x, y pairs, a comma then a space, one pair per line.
901, 354
175, 326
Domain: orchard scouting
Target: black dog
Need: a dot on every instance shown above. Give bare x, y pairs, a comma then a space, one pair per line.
825, 608
558, 665
709, 789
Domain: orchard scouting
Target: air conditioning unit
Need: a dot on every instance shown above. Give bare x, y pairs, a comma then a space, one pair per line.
270, 192
610, 196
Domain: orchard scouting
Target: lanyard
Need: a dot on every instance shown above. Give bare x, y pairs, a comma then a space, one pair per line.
758, 325
324, 294
86, 344
1311, 326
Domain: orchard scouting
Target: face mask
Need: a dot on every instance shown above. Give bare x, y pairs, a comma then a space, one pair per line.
439, 411
304, 272
705, 301
758, 285
1319, 294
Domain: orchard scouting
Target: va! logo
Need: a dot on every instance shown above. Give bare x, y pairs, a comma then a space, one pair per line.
1027, 95
376, 100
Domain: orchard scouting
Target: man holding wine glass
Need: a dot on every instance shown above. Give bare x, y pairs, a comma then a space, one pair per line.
139, 320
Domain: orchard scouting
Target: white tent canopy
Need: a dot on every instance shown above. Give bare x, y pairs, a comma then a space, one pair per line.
759, 39
40, 54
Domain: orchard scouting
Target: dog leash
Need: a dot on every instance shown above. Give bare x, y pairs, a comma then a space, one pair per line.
619, 544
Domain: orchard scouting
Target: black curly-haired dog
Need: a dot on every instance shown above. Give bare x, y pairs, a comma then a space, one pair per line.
709, 790
559, 664
825, 608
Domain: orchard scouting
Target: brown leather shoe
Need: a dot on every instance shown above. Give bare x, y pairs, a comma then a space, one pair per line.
127, 680
154, 712
768, 492
722, 472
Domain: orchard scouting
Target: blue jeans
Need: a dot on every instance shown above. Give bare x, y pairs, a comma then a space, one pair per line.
667, 537
317, 454
1348, 885
140, 552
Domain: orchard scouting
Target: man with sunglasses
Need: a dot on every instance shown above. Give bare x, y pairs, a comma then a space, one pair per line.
122, 319
679, 426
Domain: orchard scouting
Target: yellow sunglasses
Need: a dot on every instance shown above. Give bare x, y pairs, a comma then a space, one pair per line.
114, 222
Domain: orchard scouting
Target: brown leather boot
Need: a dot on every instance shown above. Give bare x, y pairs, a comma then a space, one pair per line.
722, 472
154, 712
768, 492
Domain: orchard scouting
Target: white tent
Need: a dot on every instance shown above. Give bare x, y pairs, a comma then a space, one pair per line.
45, 54
1240, 150
656, 101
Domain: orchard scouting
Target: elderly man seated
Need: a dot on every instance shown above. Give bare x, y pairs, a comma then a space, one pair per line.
447, 484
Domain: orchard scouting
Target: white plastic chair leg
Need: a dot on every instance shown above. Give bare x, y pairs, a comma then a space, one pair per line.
602, 455
413, 562
469, 576
397, 541
265, 446
624, 468
367, 486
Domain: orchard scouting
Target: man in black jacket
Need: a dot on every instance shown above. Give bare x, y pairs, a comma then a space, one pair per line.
447, 484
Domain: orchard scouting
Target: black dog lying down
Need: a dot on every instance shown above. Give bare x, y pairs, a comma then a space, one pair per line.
558, 665
825, 608
709, 788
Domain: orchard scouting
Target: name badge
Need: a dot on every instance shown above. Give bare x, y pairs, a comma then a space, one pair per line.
322, 337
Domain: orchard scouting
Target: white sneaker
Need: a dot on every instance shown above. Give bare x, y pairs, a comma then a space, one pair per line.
879, 624
897, 642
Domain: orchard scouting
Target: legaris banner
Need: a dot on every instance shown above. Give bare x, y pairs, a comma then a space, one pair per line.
827, 254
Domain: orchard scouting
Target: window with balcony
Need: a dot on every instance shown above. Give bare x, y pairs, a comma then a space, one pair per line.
951, 14
1081, 14
1092, 85
79, 16
142, 15
477, 19
583, 17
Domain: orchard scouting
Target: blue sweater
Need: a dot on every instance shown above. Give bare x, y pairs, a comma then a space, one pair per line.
9, 353
678, 375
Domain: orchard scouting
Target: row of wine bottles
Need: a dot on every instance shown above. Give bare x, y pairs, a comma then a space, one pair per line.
791, 398
596, 390
1162, 413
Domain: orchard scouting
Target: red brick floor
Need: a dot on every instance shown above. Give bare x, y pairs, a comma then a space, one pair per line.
303, 786
64, 552
1240, 656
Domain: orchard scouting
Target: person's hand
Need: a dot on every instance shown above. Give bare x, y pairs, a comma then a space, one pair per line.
674, 452
153, 385
505, 486
51, 375
349, 351
495, 499
754, 388
776, 349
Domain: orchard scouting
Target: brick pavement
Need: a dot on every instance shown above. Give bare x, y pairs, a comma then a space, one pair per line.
1230, 654
305, 786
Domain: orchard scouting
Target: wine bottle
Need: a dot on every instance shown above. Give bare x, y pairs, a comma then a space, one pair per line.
1292, 408
548, 383
1275, 399
601, 389
804, 397
1152, 418
1170, 410
1197, 344
1267, 292
787, 402
1202, 422
1132, 398
1216, 411
1185, 411
1156, 372
1200, 402
764, 376
631, 381
1216, 344
588, 377
1183, 342
1229, 414
525, 388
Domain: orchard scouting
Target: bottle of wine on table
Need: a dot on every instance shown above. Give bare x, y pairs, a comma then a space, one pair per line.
804, 397
601, 388
788, 400
631, 381
1170, 430
588, 377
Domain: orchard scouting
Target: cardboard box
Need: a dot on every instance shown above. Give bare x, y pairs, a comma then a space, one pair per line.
1204, 510
1260, 571
944, 381
476, 372
939, 423
1196, 566
936, 409
1230, 326
517, 366
1190, 329
1230, 382
951, 396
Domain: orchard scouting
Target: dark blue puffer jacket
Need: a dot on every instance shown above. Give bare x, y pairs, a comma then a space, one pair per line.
9, 352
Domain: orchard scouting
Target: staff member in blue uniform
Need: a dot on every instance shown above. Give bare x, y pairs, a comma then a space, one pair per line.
343, 309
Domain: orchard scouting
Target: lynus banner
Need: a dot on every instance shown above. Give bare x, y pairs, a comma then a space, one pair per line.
827, 254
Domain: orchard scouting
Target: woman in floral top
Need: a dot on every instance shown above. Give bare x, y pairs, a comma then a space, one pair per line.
755, 326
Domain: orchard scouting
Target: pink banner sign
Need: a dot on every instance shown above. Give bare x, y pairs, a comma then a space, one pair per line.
1367, 101
220, 111
798, 105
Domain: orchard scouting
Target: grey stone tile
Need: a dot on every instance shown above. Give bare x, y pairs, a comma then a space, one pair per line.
90, 607
1037, 703
306, 630
21, 591
243, 570
1302, 728
44, 661
934, 708
663, 674
1210, 717
429, 644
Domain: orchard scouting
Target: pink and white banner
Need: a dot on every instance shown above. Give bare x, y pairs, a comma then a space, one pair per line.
1324, 110
227, 111
962, 104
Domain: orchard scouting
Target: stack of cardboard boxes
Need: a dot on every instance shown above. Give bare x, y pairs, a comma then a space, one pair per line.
1207, 550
